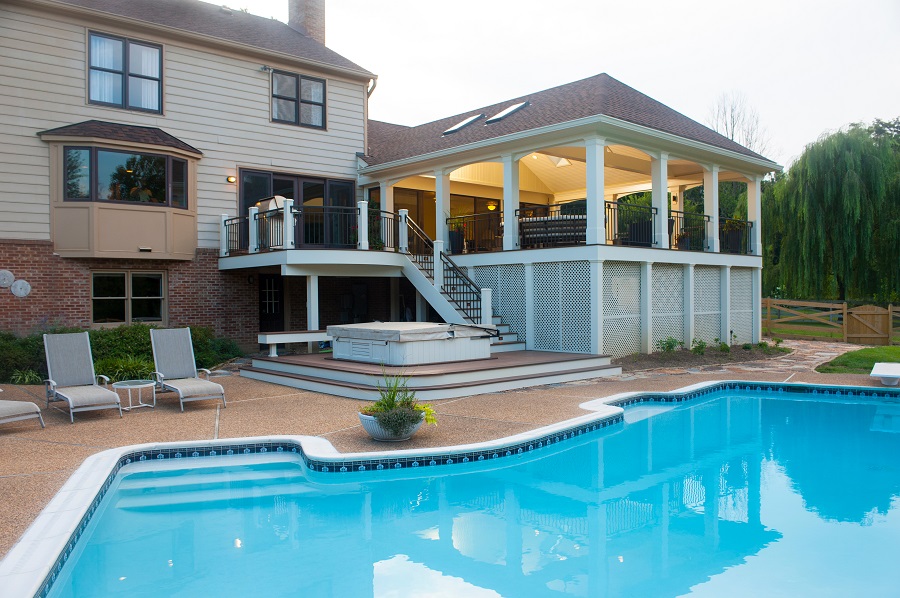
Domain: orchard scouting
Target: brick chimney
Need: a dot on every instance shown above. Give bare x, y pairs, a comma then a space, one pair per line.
308, 17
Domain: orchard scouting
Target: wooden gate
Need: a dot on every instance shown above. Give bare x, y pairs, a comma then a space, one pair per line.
869, 325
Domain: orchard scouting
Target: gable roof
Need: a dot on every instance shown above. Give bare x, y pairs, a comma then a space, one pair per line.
194, 16
597, 95
101, 129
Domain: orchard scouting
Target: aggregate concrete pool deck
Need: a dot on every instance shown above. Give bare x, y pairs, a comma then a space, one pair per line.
35, 462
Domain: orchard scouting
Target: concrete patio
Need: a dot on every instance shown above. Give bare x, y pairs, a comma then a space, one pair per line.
35, 462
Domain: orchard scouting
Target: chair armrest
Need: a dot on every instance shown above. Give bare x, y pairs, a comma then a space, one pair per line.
204, 370
50, 388
158, 378
105, 380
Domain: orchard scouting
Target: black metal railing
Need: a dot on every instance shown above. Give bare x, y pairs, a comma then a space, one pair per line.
326, 226
384, 231
475, 233
687, 231
461, 289
237, 237
629, 224
421, 248
270, 230
734, 236
551, 226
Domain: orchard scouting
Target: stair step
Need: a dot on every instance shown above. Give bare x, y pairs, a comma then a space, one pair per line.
507, 337
507, 346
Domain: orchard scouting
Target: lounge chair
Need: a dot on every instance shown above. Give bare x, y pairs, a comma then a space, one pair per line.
888, 372
176, 370
71, 377
12, 411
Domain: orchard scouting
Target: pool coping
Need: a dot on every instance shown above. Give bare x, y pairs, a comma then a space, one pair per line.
28, 571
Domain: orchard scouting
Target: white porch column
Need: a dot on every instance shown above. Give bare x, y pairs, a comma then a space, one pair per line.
362, 225
711, 206
288, 224
312, 305
487, 308
646, 307
596, 209
510, 202
725, 303
529, 306
223, 236
688, 305
596, 269
754, 214
438, 265
659, 176
403, 235
253, 230
756, 303
387, 196
441, 205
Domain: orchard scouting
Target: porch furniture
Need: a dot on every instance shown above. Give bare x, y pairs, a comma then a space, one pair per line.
302, 336
176, 369
11, 411
139, 386
889, 373
550, 231
71, 376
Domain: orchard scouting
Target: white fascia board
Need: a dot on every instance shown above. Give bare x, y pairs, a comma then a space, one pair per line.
206, 40
590, 124
316, 259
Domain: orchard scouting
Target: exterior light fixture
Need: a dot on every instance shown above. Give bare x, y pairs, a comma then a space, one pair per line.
231, 179
674, 198
491, 206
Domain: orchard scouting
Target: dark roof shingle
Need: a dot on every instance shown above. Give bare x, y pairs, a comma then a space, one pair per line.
118, 132
231, 26
597, 95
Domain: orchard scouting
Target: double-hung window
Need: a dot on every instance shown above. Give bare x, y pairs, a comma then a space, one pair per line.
127, 297
298, 100
125, 73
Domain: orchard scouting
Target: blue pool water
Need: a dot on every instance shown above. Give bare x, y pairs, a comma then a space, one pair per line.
731, 496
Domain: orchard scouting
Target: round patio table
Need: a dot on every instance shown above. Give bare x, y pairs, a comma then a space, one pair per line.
139, 386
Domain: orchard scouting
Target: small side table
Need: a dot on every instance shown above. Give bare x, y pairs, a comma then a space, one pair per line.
139, 386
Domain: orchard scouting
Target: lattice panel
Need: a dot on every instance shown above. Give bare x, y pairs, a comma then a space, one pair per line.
562, 309
621, 308
742, 304
667, 302
707, 299
509, 297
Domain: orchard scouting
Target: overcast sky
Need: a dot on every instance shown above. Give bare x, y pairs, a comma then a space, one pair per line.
806, 66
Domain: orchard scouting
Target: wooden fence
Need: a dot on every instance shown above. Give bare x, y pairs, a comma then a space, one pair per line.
864, 325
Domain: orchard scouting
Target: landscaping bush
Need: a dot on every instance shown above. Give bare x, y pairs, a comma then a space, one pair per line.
668, 345
698, 347
120, 348
126, 367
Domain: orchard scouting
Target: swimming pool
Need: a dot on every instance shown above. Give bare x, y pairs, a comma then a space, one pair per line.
736, 492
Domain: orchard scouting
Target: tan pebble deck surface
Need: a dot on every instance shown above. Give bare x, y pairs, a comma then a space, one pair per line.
34, 463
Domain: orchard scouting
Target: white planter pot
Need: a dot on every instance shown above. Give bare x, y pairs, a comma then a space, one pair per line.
371, 425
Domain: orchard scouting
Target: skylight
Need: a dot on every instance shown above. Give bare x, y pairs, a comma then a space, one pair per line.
462, 124
506, 112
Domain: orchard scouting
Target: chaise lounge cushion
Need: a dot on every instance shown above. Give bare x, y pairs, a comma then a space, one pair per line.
194, 387
82, 396
18, 409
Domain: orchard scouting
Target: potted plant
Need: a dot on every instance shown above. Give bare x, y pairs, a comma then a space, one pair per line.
397, 414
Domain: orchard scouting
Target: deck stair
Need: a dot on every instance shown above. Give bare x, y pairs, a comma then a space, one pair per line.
503, 371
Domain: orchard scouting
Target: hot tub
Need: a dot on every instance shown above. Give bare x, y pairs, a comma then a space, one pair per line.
410, 343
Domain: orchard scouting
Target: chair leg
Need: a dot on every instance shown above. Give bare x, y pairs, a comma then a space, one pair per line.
120, 409
41, 419
224, 404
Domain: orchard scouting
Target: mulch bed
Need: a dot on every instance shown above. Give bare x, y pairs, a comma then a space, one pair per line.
683, 358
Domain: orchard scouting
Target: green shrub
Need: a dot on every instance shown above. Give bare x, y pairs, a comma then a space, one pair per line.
668, 345
723, 347
133, 340
26, 377
397, 409
126, 367
747, 347
698, 347
762, 345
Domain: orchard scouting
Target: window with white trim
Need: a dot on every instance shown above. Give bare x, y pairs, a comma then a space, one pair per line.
298, 100
124, 73
127, 297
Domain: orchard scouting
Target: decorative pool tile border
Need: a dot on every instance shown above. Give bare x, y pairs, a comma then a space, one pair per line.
437, 459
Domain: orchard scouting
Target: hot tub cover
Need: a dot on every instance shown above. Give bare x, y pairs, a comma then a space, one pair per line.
405, 332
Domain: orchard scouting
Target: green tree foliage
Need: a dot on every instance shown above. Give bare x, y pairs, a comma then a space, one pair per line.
832, 223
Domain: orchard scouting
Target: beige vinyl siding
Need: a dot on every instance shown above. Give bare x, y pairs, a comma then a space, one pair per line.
218, 103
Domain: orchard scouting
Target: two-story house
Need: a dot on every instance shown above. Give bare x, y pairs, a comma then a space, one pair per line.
144, 140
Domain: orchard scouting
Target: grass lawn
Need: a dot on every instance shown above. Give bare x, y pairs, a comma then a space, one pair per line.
860, 362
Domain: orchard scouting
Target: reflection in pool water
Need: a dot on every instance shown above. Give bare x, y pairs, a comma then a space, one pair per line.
734, 496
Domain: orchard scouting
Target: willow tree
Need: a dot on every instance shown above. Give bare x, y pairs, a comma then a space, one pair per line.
838, 216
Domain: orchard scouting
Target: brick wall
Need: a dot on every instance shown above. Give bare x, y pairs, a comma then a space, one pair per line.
198, 294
